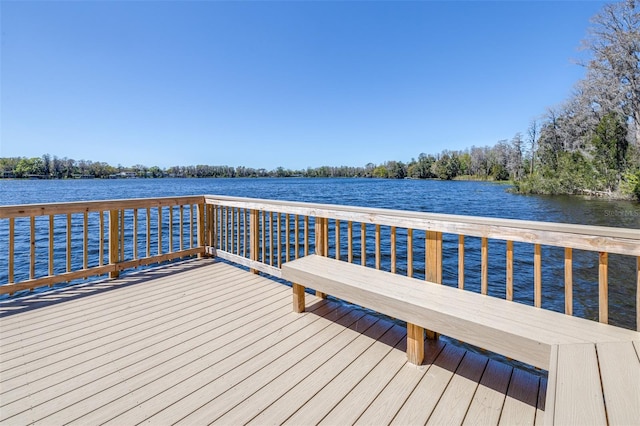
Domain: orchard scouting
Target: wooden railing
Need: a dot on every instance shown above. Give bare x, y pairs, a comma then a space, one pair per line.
262, 234
46, 244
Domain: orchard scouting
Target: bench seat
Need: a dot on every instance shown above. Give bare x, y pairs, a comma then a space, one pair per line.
514, 330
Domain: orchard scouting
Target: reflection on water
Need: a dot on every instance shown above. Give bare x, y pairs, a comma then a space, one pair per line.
466, 198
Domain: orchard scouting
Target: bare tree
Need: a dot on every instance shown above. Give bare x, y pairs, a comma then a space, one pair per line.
532, 138
613, 74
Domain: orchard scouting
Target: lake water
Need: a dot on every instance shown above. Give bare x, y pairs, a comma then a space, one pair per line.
454, 197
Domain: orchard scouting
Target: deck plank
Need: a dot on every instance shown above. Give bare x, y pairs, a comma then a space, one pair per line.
486, 407
522, 399
351, 407
355, 340
427, 393
387, 404
620, 375
314, 410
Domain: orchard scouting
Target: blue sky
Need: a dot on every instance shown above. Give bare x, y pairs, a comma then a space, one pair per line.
265, 84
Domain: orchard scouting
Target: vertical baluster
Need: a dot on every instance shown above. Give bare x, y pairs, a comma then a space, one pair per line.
306, 235
337, 239
200, 228
271, 238
279, 235
237, 231
461, 261
568, 281
638, 293
159, 230
122, 234
181, 233
114, 229
537, 276
170, 229
509, 270
191, 222
325, 224
227, 227
68, 242
232, 229
484, 285
12, 245
101, 248
394, 253
288, 237
51, 237
264, 239
219, 226
296, 239
245, 232
378, 255
350, 241
85, 227
409, 252
603, 286
254, 237
363, 244
32, 258
148, 232
135, 233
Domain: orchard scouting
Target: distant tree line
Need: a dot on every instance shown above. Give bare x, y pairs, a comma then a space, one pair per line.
588, 145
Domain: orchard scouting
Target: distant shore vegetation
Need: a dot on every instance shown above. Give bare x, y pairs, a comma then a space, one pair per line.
589, 145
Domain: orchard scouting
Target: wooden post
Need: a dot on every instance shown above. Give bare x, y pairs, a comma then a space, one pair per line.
568, 281
254, 240
12, 244
114, 228
298, 298
484, 267
433, 264
603, 287
32, 246
51, 228
321, 236
433, 261
509, 292
415, 344
638, 294
461, 262
537, 276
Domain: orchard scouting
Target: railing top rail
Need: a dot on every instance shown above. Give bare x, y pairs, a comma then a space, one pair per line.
586, 237
26, 210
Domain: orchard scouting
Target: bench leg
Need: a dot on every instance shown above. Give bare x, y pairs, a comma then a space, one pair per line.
298, 298
432, 335
415, 344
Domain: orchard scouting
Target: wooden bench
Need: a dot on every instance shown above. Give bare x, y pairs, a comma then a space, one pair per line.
542, 338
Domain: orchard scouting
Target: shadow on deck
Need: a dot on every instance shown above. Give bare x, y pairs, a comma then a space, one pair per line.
201, 342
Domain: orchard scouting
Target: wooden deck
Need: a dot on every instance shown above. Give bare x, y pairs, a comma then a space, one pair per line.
202, 342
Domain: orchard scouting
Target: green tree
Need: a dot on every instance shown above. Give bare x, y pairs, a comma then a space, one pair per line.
29, 166
610, 147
